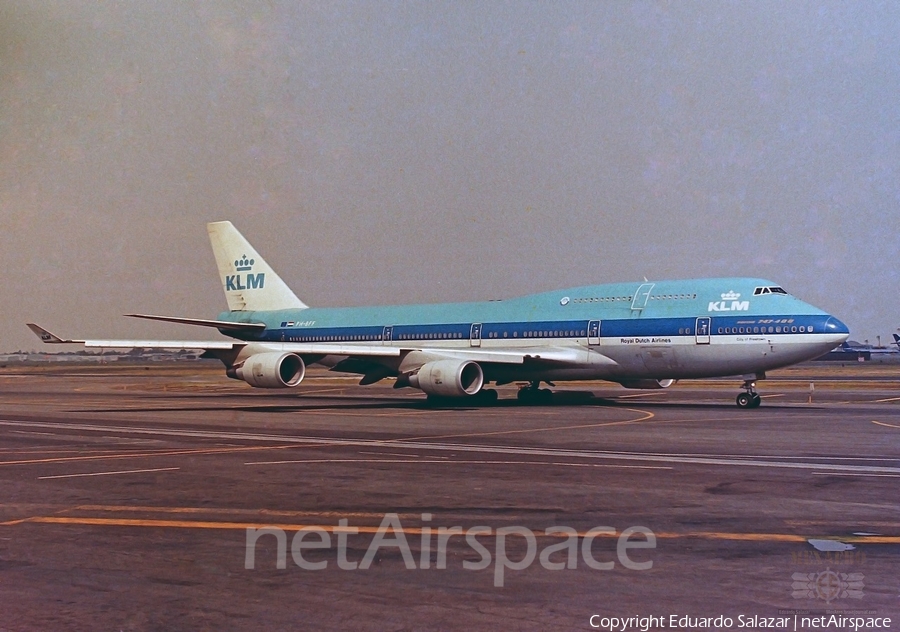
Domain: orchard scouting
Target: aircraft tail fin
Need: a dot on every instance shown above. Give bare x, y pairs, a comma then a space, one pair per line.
249, 282
897, 340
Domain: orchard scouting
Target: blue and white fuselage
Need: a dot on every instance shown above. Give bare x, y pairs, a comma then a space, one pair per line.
623, 332
643, 335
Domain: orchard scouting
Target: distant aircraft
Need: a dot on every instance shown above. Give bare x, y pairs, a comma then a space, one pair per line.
851, 350
641, 335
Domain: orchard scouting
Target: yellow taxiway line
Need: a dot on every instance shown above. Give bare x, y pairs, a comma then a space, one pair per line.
364, 529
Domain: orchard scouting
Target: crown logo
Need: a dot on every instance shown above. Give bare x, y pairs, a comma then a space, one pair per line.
730, 296
243, 264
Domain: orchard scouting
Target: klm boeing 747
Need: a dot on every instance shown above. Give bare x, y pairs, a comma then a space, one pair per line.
640, 335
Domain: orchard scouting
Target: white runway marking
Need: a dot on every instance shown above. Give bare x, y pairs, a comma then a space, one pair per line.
754, 461
638, 395
158, 469
408, 456
461, 462
851, 474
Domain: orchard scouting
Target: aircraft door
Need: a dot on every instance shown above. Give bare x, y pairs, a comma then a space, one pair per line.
702, 331
387, 334
593, 332
475, 335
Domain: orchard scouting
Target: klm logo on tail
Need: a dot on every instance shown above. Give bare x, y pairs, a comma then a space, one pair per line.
249, 281
729, 303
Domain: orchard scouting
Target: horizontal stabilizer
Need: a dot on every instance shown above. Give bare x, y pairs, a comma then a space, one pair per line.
218, 324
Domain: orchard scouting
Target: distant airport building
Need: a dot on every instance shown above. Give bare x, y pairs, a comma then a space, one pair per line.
853, 351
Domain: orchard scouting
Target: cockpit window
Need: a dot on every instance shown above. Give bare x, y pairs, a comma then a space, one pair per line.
769, 290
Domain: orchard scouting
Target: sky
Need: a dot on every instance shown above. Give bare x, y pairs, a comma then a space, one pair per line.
401, 152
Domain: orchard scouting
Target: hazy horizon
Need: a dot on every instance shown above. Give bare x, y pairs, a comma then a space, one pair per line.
386, 152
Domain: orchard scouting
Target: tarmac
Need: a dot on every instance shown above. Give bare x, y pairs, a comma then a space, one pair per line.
166, 497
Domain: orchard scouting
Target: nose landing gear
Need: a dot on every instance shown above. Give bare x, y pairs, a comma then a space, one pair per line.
750, 398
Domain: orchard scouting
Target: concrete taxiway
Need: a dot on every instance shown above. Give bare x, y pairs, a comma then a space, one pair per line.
128, 493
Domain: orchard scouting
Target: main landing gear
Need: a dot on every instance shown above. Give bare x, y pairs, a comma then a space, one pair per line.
750, 398
533, 393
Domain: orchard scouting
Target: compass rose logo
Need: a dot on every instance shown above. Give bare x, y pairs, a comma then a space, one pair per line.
828, 585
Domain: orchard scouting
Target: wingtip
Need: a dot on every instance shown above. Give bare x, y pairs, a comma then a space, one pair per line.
43, 334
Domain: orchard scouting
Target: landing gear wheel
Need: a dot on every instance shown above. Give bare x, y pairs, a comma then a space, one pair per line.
533, 394
750, 398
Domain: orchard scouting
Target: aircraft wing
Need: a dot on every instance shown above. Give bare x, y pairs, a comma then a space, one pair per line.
51, 338
320, 349
524, 355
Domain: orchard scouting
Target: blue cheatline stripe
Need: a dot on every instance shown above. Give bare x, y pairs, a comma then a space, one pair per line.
512, 331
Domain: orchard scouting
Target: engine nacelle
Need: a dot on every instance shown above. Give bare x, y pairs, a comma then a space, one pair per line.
271, 370
647, 384
449, 378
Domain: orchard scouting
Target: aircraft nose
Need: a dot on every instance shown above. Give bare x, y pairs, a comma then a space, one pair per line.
835, 326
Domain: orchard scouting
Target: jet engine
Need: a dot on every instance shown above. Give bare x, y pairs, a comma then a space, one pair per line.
271, 370
647, 384
449, 378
